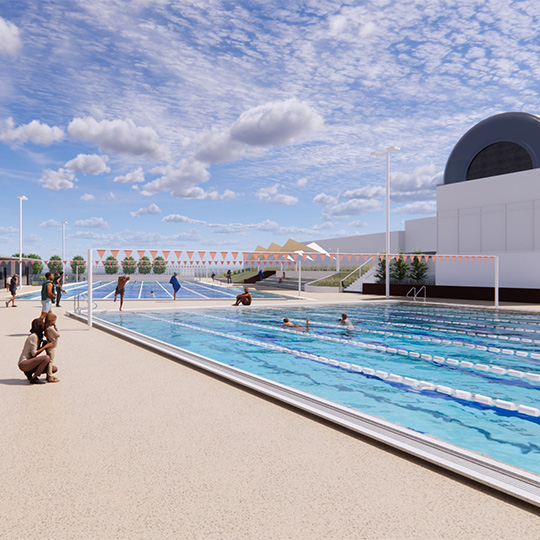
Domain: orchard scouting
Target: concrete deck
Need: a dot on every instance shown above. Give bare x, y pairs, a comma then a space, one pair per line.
131, 445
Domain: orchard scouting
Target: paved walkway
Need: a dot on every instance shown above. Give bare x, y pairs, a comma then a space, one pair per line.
130, 445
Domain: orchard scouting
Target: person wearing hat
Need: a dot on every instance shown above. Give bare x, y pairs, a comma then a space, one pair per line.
176, 285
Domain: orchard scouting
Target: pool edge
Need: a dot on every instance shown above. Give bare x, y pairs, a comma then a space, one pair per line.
502, 477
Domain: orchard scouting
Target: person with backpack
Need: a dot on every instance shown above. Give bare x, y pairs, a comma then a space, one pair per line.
47, 295
13, 290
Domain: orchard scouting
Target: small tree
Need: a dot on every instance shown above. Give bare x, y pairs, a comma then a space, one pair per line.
380, 275
419, 268
37, 266
78, 265
159, 265
399, 268
129, 265
144, 265
111, 265
55, 264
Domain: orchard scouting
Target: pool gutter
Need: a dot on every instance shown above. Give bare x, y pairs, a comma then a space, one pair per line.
500, 476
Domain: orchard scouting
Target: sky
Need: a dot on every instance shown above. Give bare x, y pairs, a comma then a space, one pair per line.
211, 124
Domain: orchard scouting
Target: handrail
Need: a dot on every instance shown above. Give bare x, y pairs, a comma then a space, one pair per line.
417, 293
348, 275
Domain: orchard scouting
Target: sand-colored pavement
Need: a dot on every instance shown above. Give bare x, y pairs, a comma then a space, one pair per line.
131, 445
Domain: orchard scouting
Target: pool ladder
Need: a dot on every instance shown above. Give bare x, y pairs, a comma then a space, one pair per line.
77, 304
416, 293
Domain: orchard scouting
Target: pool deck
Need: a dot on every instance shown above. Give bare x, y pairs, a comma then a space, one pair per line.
131, 445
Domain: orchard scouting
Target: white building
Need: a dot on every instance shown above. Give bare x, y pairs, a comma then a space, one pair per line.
488, 204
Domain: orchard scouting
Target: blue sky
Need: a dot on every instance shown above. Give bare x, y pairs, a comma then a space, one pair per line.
223, 125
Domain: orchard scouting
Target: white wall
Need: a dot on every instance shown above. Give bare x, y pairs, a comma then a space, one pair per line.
421, 234
499, 215
364, 243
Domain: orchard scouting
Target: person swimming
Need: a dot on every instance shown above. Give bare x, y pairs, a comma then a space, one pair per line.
290, 325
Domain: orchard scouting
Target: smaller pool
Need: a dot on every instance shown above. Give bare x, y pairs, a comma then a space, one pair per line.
155, 290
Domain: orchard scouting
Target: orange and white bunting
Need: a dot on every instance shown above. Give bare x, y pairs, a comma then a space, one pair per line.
213, 254
234, 254
153, 253
224, 254
178, 254
166, 254
101, 252
141, 253
114, 252
190, 254
128, 252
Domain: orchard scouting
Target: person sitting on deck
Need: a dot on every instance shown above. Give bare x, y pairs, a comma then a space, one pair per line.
292, 326
243, 298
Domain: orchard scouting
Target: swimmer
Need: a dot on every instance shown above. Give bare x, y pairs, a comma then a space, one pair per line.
292, 326
345, 321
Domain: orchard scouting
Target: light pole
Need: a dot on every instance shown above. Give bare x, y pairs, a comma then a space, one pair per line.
64, 223
387, 153
21, 199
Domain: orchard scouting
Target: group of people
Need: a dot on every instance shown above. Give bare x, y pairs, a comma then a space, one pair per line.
342, 321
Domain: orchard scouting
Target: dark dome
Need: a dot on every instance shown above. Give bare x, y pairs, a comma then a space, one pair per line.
502, 144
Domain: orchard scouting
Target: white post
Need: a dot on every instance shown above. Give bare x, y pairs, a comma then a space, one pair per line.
21, 199
299, 277
64, 247
387, 152
338, 266
497, 281
90, 285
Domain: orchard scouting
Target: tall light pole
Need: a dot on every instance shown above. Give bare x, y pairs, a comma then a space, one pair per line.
21, 199
387, 153
64, 223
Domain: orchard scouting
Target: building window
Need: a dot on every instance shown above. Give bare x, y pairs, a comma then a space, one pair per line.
499, 158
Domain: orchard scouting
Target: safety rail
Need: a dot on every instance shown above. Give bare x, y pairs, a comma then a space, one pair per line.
77, 304
417, 293
341, 286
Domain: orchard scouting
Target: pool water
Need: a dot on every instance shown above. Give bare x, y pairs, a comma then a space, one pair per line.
468, 377
158, 290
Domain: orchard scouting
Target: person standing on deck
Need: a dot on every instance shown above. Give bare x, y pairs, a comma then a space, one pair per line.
47, 295
13, 290
175, 284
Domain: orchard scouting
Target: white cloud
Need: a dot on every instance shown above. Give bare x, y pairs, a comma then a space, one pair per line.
8, 231
119, 137
10, 40
88, 197
177, 218
151, 209
421, 178
323, 198
132, 177
270, 195
301, 182
88, 164
354, 207
419, 207
366, 192
50, 223
138, 238
92, 223
56, 180
35, 132
271, 124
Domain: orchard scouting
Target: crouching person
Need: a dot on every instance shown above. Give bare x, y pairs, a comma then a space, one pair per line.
31, 361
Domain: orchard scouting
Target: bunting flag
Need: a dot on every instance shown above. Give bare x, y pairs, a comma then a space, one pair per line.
305, 256
453, 258
349, 255
141, 253
224, 254
485, 259
191, 262
473, 259
295, 256
190, 254
323, 256
65, 262
114, 252
265, 255
491, 259
357, 257
244, 253
366, 257
202, 254
277, 256
234, 254
101, 252
340, 256
46, 262
228, 262
128, 252
460, 257
213, 254
178, 254
153, 253
466, 258
166, 254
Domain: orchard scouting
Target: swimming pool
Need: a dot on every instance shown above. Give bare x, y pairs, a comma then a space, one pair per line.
155, 290
468, 377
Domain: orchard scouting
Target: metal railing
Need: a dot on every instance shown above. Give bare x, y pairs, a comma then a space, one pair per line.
417, 293
341, 286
